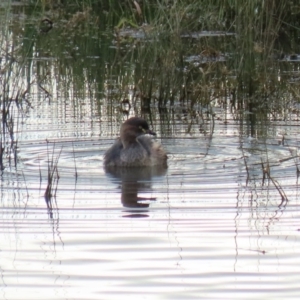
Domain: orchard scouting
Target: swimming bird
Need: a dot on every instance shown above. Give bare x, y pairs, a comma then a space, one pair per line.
134, 148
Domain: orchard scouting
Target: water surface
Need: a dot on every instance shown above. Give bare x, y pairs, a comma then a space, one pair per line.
222, 222
202, 229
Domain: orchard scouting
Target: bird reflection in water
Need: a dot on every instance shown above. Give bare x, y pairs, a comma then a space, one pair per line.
134, 181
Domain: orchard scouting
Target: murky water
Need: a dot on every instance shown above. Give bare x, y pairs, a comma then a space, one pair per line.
222, 222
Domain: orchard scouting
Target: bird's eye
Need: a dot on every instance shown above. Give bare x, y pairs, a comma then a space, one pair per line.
141, 128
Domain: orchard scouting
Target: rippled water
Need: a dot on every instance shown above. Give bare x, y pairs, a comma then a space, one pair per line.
222, 222
209, 227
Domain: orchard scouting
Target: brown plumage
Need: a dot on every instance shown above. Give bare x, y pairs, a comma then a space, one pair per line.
133, 148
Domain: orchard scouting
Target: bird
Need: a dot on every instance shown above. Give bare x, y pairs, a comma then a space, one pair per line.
134, 148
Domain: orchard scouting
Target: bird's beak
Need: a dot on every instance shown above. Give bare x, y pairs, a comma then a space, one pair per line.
150, 132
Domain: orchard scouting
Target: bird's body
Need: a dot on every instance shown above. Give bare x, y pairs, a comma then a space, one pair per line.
133, 148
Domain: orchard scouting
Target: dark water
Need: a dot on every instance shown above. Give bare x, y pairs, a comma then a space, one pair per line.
213, 225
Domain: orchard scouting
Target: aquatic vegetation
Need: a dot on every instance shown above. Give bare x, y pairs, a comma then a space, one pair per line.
198, 61
170, 52
52, 179
218, 81
13, 91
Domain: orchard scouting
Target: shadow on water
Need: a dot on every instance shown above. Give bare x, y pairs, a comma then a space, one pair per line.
133, 181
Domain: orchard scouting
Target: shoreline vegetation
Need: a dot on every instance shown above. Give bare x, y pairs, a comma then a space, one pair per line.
193, 51
240, 55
